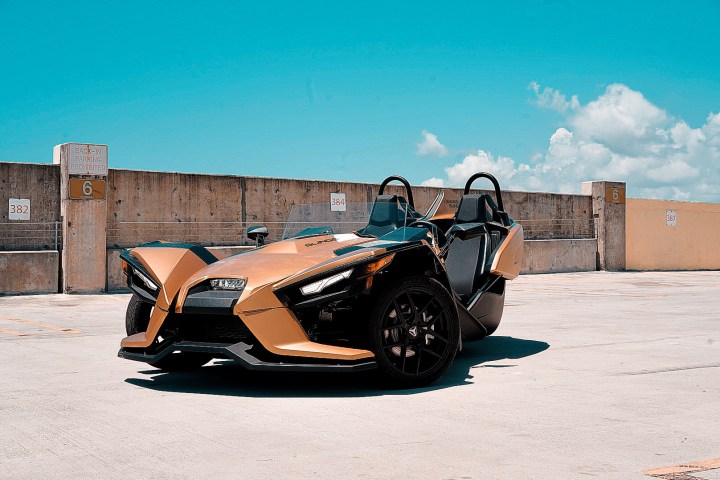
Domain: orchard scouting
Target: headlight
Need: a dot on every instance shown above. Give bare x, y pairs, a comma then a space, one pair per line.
228, 283
148, 283
320, 285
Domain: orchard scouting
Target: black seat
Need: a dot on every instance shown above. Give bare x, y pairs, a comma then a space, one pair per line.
466, 258
389, 213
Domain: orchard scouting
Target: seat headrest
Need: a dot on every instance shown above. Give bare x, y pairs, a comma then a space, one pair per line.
473, 208
387, 210
390, 198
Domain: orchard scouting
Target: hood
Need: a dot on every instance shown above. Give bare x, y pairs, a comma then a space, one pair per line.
274, 262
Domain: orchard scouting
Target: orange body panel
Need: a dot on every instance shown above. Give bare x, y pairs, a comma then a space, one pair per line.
280, 333
277, 329
444, 206
170, 267
145, 339
508, 259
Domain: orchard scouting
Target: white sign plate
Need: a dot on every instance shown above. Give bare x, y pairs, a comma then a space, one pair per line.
19, 209
337, 202
87, 159
671, 218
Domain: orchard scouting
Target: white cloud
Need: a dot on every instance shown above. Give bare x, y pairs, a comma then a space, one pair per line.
433, 182
431, 146
618, 136
553, 99
623, 120
481, 161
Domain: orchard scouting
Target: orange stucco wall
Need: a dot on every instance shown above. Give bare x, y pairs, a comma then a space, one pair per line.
692, 244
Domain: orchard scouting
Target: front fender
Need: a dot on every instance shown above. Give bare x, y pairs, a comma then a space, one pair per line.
168, 266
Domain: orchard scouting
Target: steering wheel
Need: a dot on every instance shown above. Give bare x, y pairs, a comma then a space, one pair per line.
437, 233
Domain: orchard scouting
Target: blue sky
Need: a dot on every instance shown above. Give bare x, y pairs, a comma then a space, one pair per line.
345, 90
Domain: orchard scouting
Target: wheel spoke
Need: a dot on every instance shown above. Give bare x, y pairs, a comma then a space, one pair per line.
398, 344
435, 354
425, 307
419, 356
403, 354
433, 320
398, 312
413, 308
438, 336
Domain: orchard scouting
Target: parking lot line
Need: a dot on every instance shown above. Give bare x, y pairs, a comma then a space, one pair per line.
691, 467
17, 334
604, 293
44, 325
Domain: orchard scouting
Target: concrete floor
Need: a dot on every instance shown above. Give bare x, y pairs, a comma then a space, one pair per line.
598, 375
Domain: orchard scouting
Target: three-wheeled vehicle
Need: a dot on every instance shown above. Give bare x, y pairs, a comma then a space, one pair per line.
399, 295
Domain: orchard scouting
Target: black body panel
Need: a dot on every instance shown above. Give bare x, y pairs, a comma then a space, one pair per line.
240, 352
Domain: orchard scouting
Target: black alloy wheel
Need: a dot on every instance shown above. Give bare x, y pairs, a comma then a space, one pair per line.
414, 332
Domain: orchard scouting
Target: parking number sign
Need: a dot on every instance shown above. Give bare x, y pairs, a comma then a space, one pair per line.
84, 189
19, 209
337, 202
671, 218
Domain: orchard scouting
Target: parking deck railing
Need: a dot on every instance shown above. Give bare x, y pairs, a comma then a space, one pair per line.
130, 234
558, 228
30, 235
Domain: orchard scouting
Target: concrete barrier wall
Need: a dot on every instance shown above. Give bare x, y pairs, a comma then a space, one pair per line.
29, 272
693, 243
40, 184
216, 209
555, 256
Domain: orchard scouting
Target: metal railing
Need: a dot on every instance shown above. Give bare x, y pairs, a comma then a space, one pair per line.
21, 235
48, 235
545, 229
131, 234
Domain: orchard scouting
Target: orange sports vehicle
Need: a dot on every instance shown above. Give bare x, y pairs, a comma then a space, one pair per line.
399, 295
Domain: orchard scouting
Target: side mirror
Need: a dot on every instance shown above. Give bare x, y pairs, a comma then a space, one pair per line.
258, 234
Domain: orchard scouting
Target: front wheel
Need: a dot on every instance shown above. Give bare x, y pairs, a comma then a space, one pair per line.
137, 319
414, 332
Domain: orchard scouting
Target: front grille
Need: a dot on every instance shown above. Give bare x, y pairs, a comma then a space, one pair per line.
213, 328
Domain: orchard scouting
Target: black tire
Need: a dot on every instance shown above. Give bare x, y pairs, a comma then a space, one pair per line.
137, 316
416, 347
137, 319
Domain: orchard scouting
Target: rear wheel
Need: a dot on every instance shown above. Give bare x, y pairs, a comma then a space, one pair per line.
414, 332
137, 319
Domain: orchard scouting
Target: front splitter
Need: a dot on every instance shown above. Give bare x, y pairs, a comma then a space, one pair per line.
239, 352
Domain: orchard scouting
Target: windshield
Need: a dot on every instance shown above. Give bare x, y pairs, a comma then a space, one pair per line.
318, 216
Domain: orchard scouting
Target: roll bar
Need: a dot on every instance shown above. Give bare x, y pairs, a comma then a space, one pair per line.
495, 183
401, 180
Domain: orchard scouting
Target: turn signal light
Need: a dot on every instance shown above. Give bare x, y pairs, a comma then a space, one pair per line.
373, 267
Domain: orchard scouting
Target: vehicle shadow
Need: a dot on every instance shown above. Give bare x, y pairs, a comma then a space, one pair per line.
227, 378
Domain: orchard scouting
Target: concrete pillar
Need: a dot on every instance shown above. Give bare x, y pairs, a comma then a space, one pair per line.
608, 200
83, 207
